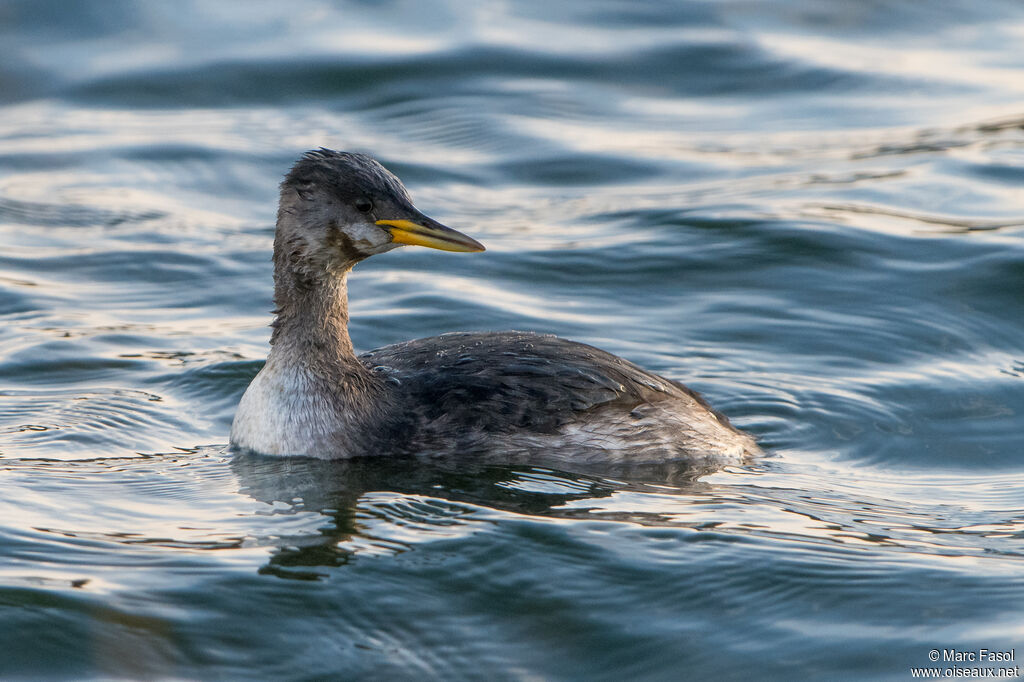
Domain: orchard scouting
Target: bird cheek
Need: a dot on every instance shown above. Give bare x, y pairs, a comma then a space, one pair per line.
371, 239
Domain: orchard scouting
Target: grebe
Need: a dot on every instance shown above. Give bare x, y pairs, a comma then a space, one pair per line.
502, 393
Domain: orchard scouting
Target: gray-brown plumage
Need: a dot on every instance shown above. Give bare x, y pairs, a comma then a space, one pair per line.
504, 394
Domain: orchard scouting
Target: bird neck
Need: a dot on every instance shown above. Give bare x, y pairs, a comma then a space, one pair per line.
312, 317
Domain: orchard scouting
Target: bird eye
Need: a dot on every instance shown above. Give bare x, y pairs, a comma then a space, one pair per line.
364, 205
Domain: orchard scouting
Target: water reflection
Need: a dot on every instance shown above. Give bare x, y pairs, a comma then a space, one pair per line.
417, 498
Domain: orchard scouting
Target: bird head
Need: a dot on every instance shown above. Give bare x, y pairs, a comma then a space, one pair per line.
338, 208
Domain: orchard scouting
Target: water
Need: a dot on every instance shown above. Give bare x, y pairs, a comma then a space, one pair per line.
810, 211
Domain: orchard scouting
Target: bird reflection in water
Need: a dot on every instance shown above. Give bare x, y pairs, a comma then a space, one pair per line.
430, 494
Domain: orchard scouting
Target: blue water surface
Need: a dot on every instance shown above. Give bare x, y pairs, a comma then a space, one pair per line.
810, 210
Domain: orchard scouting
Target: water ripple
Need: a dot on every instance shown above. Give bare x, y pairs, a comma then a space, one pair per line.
81, 423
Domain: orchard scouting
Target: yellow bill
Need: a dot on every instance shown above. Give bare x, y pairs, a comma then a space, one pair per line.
431, 234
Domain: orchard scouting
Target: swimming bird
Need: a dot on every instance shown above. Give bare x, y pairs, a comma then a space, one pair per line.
497, 393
